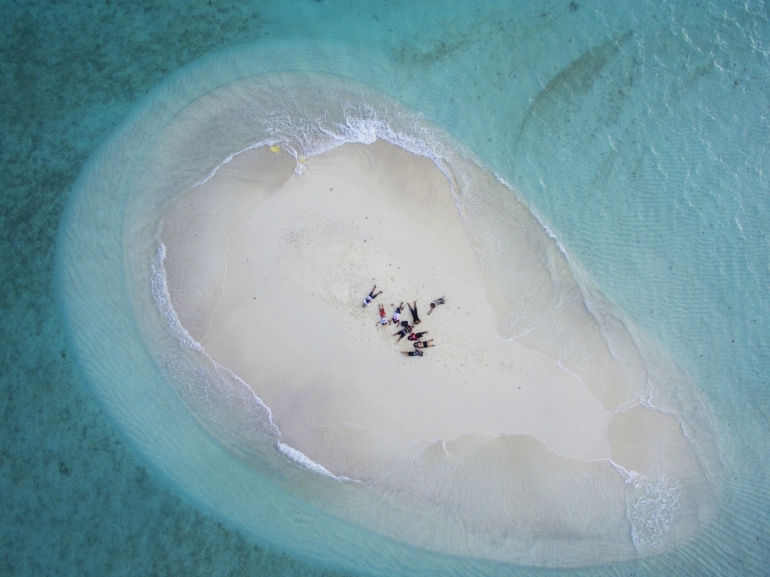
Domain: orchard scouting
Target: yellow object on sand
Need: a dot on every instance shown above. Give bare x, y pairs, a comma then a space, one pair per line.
275, 148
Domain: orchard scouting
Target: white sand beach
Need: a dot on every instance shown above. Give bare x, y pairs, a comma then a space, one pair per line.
267, 269
283, 309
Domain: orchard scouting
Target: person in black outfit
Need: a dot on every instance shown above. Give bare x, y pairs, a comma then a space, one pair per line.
416, 320
412, 353
403, 332
423, 344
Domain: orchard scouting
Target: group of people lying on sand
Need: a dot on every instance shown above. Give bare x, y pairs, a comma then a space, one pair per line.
406, 328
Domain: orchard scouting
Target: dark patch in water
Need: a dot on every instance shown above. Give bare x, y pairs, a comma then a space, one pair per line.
576, 79
440, 50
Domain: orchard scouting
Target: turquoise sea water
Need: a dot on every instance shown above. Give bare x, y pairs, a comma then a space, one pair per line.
638, 133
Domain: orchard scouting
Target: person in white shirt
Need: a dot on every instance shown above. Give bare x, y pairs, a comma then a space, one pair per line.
371, 296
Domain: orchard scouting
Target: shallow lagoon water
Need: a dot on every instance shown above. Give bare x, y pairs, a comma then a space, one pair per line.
660, 133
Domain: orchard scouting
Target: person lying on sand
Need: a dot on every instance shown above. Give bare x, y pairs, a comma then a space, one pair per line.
403, 332
415, 318
383, 316
423, 344
397, 314
371, 296
416, 336
435, 303
412, 353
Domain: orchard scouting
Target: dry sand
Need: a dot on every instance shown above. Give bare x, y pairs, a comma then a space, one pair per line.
290, 259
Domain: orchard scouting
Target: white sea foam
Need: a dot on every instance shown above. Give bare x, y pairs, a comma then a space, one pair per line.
229, 158
262, 406
650, 508
551, 234
306, 462
364, 123
163, 300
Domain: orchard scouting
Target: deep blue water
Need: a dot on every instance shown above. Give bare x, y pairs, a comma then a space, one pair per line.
638, 132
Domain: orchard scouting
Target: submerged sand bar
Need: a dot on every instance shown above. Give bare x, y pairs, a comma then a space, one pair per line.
288, 259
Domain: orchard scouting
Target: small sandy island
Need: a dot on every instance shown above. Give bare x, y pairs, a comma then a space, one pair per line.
286, 262
267, 269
